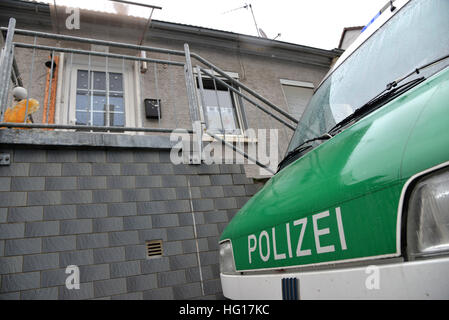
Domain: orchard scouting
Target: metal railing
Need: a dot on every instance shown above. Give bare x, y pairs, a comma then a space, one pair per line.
164, 83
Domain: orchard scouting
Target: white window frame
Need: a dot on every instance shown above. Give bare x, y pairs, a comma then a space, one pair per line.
228, 137
294, 83
66, 111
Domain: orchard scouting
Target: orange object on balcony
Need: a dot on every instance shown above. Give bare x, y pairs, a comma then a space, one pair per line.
16, 114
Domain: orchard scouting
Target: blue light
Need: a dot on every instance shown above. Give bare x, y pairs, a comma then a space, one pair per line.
372, 20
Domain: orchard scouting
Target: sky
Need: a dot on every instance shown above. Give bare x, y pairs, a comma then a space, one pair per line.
315, 23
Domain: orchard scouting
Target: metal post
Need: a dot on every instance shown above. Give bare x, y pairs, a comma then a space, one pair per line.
203, 101
193, 106
108, 110
204, 122
94, 53
89, 107
219, 109
140, 76
6, 65
94, 41
123, 89
197, 142
30, 82
70, 89
156, 84
7, 82
190, 83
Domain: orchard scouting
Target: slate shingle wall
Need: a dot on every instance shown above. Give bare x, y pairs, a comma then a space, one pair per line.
96, 208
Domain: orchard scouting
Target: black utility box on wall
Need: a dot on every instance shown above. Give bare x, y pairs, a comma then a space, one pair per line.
153, 108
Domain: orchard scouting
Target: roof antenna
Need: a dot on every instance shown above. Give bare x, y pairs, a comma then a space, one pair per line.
246, 6
254, 18
260, 32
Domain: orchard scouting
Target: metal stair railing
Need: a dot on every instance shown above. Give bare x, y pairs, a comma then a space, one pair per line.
206, 68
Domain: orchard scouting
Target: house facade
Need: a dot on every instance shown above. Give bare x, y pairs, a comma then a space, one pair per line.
111, 201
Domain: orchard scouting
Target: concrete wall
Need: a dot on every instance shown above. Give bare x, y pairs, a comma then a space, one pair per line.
96, 207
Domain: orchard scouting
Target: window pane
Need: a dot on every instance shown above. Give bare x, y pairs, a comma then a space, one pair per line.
210, 98
228, 117
82, 117
115, 81
99, 81
224, 97
99, 118
82, 102
213, 118
117, 119
99, 102
117, 104
297, 99
228, 112
82, 79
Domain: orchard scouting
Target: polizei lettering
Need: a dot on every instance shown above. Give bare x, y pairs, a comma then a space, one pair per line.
267, 244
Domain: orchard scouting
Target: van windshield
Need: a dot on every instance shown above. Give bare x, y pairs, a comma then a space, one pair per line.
416, 35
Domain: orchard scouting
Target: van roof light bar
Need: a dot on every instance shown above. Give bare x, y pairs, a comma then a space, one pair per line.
389, 4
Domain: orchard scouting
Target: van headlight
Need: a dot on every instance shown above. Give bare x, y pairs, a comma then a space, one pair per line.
227, 264
428, 216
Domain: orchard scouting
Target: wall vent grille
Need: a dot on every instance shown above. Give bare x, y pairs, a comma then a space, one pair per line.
154, 248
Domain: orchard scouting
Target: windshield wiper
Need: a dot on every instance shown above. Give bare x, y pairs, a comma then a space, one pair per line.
391, 91
300, 148
378, 101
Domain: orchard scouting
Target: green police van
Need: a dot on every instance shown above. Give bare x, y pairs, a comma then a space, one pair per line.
359, 206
